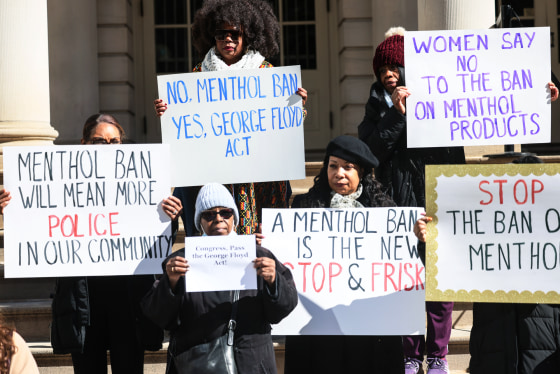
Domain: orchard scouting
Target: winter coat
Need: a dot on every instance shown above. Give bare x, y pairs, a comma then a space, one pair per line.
515, 339
401, 170
197, 317
342, 354
72, 305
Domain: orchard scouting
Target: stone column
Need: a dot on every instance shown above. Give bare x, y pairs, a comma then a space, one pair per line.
24, 75
455, 14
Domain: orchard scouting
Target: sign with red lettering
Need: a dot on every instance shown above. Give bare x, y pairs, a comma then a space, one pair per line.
357, 271
86, 210
494, 234
478, 87
233, 118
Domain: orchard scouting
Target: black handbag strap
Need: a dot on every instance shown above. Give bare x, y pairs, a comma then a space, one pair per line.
232, 323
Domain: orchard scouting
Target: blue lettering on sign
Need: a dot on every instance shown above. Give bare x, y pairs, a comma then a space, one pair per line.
284, 85
177, 91
184, 122
238, 147
237, 122
469, 42
286, 117
231, 88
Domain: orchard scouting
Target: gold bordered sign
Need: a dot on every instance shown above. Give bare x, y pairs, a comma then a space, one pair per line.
495, 233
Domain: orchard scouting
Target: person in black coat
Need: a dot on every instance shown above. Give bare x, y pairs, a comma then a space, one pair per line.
511, 338
401, 171
345, 181
194, 318
93, 315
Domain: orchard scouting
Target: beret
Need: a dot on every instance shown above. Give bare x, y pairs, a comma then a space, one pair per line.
352, 150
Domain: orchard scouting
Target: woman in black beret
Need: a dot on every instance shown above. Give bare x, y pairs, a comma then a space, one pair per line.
345, 181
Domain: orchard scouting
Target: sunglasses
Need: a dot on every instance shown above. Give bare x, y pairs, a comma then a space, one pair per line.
105, 141
221, 35
210, 215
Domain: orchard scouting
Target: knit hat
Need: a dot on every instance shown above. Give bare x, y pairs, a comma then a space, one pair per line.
213, 195
389, 52
352, 150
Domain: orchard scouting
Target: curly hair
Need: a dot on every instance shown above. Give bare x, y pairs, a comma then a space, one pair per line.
7, 348
256, 18
373, 194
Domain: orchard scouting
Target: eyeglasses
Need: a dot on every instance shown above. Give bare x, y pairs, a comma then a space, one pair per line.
210, 215
105, 141
221, 35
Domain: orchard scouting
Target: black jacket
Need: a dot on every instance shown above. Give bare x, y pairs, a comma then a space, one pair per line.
71, 310
198, 317
401, 170
515, 339
326, 354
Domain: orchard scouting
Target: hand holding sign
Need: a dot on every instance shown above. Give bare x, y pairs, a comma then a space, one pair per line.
553, 91
266, 268
175, 268
421, 228
5, 198
398, 97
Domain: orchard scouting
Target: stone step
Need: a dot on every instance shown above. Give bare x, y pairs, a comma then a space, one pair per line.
462, 314
31, 317
154, 362
25, 288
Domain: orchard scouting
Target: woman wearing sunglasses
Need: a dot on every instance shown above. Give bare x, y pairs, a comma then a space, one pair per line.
197, 317
93, 315
345, 181
233, 34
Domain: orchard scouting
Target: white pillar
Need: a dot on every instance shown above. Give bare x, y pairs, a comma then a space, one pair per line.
455, 14
24, 74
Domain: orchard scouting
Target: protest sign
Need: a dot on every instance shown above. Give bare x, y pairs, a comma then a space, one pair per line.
478, 87
233, 126
357, 271
86, 210
220, 263
494, 235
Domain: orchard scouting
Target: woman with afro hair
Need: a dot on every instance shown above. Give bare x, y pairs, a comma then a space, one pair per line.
233, 34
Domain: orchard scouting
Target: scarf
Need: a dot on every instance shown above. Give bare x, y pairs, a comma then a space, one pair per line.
347, 201
388, 99
250, 60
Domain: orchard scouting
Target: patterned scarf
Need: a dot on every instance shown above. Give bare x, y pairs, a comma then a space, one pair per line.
250, 60
347, 201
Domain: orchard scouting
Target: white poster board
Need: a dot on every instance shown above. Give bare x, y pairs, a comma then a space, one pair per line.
478, 87
220, 263
357, 271
494, 236
233, 126
86, 210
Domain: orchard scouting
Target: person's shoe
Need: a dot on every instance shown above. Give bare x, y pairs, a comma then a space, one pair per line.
412, 366
437, 365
